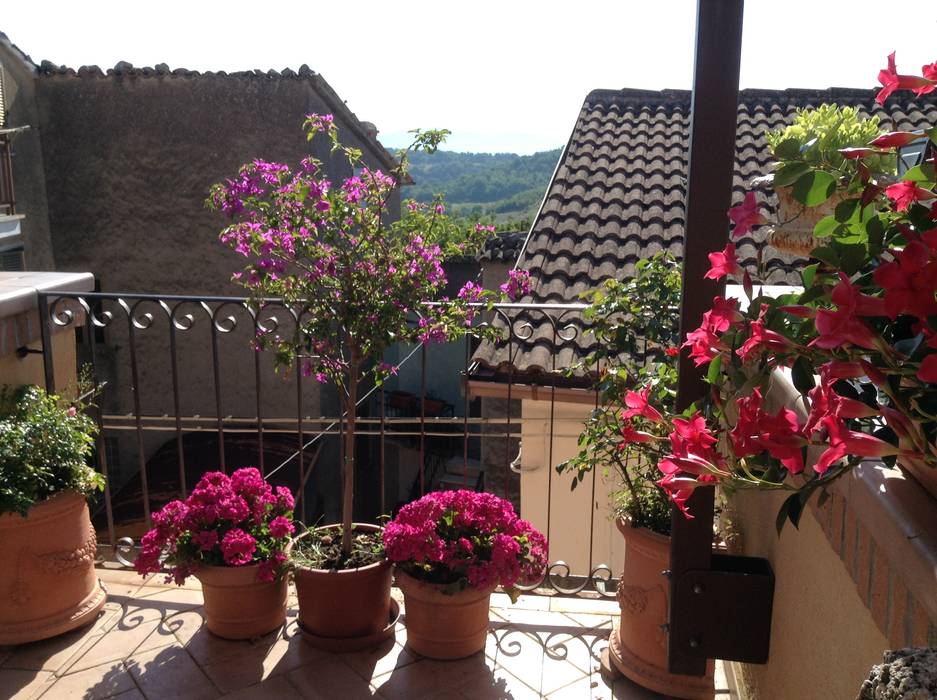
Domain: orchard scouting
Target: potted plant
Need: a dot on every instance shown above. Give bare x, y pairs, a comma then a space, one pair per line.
451, 550
47, 543
358, 283
859, 343
812, 155
233, 534
636, 325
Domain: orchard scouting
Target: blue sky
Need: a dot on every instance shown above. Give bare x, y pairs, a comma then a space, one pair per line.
503, 76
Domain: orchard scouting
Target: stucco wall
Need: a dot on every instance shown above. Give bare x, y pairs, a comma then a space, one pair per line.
823, 637
16, 370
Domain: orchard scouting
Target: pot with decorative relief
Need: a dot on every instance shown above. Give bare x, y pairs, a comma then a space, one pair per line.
637, 646
48, 584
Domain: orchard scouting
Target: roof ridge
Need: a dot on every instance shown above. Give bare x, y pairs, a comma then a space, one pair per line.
17, 51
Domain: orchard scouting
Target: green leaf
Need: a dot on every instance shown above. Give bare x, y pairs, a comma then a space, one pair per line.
826, 226
827, 255
802, 375
715, 367
853, 257
846, 210
923, 173
810, 273
790, 510
876, 234
814, 187
787, 174
932, 134
787, 149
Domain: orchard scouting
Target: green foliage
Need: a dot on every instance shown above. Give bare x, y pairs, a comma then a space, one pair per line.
635, 323
500, 186
815, 137
45, 442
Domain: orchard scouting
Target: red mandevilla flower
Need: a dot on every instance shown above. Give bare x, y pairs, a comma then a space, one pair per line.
906, 193
746, 215
891, 81
723, 263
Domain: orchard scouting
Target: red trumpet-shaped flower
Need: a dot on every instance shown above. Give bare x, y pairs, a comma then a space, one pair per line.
761, 338
758, 431
844, 442
891, 80
746, 215
895, 139
637, 403
843, 326
910, 282
906, 193
723, 263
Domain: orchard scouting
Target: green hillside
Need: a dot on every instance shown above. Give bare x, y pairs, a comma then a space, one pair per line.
502, 187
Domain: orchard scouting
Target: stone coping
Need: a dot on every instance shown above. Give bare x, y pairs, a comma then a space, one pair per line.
19, 291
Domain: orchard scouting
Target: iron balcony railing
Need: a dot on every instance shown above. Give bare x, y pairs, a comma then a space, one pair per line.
184, 392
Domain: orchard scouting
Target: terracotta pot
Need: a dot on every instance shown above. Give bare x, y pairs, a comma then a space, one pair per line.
443, 626
47, 580
795, 232
344, 610
918, 470
638, 645
238, 605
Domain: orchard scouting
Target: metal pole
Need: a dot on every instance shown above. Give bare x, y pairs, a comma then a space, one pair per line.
709, 194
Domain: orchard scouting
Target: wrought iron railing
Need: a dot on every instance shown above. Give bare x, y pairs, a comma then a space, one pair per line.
183, 392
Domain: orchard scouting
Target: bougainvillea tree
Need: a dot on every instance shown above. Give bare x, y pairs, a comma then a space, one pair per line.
357, 280
859, 342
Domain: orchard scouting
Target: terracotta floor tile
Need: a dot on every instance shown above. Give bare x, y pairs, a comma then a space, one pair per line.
254, 663
371, 663
428, 677
497, 684
606, 606
23, 685
522, 655
585, 688
276, 688
189, 628
51, 654
524, 602
169, 674
103, 681
116, 645
134, 694
591, 621
625, 689
329, 678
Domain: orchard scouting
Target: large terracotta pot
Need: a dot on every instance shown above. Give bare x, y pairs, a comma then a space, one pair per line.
238, 605
795, 232
638, 643
47, 580
444, 626
925, 475
349, 609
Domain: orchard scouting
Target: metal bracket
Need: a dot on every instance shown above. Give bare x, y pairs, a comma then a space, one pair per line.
24, 351
724, 612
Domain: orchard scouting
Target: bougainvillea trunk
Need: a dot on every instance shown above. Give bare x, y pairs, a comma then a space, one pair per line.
348, 473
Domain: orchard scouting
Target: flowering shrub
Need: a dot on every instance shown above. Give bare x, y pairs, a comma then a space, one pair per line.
357, 281
225, 521
860, 341
465, 538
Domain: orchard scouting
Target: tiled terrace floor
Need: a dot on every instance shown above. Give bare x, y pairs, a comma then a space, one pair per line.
150, 642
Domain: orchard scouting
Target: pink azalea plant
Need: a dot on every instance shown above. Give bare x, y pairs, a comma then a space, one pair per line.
234, 520
357, 279
860, 340
465, 539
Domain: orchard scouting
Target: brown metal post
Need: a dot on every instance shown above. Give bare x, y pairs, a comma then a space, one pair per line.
709, 192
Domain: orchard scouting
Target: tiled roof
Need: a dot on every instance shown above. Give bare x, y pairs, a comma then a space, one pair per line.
618, 196
504, 247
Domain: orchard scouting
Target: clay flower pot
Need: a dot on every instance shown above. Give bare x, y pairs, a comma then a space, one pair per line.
795, 234
637, 645
47, 575
349, 609
444, 626
238, 605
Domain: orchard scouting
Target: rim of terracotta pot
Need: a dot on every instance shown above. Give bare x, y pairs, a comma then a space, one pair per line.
628, 530
308, 570
433, 591
50, 507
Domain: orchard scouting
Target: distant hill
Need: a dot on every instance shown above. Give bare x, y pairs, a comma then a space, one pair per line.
501, 187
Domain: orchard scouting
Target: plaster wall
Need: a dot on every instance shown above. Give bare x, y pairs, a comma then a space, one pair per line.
15, 370
823, 637
566, 516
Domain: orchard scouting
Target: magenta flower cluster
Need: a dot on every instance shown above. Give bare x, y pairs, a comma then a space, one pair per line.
465, 537
225, 521
517, 286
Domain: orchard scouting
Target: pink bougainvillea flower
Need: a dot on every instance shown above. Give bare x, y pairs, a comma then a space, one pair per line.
906, 193
723, 263
746, 215
895, 139
891, 80
909, 281
637, 403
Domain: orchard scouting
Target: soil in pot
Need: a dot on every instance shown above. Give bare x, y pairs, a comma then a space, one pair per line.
342, 609
444, 625
47, 570
638, 645
238, 605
